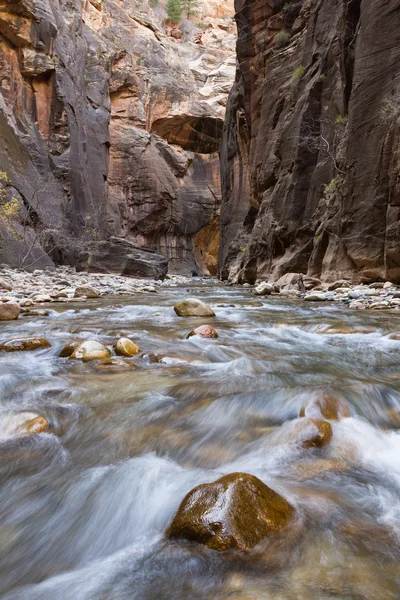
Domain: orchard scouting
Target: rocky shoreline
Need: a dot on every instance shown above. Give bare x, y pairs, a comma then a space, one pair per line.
25, 291
377, 295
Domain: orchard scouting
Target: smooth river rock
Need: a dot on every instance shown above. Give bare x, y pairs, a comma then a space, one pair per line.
24, 344
205, 331
125, 347
86, 291
9, 311
236, 511
90, 350
192, 307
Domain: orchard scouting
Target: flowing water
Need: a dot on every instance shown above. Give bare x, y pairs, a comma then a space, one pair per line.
84, 507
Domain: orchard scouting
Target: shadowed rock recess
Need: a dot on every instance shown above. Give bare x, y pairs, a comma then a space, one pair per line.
110, 126
310, 152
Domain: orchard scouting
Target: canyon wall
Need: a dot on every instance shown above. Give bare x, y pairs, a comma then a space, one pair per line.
310, 154
110, 126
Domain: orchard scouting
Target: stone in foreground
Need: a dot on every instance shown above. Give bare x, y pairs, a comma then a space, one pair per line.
125, 347
326, 407
236, 511
192, 307
25, 344
205, 331
9, 311
90, 350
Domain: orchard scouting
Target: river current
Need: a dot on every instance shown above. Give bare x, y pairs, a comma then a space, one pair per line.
84, 507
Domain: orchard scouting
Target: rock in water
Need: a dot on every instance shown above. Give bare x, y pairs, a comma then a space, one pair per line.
24, 344
264, 289
9, 311
326, 407
86, 290
90, 350
36, 425
69, 349
192, 307
205, 331
236, 511
125, 347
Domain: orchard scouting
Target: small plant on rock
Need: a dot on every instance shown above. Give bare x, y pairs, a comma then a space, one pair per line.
298, 74
281, 39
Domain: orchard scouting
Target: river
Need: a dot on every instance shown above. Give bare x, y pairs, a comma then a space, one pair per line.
85, 506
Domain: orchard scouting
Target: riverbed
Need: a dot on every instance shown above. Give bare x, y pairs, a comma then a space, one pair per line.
84, 507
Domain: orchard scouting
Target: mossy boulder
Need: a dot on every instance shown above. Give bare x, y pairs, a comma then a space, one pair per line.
236, 511
205, 331
193, 307
326, 407
24, 344
125, 347
90, 350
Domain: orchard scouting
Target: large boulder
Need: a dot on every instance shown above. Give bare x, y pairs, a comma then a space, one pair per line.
24, 344
236, 511
9, 311
326, 407
264, 289
124, 258
192, 307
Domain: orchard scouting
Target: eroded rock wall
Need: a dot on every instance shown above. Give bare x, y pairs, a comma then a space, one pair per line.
110, 126
310, 159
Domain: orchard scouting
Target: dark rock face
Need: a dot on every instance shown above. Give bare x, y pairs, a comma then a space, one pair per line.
123, 257
310, 148
237, 511
92, 96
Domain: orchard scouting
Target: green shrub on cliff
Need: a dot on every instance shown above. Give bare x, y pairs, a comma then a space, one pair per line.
174, 11
9, 208
298, 74
190, 7
281, 39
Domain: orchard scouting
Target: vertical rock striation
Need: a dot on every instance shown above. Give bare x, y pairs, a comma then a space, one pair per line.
110, 126
310, 159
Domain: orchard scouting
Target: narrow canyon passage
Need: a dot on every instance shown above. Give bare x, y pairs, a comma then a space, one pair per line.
85, 505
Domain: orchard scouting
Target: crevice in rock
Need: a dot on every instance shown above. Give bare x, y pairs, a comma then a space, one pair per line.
353, 14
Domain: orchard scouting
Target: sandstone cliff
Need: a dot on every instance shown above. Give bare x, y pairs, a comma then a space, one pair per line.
110, 126
310, 155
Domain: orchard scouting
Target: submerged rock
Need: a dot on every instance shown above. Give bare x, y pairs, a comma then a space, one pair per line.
25, 344
236, 511
90, 350
125, 347
23, 423
192, 307
9, 311
115, 365
326, 407
35, 425
205, 331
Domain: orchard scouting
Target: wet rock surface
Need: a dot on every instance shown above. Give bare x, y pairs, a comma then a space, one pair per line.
237, 511
193, 307
24, 344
